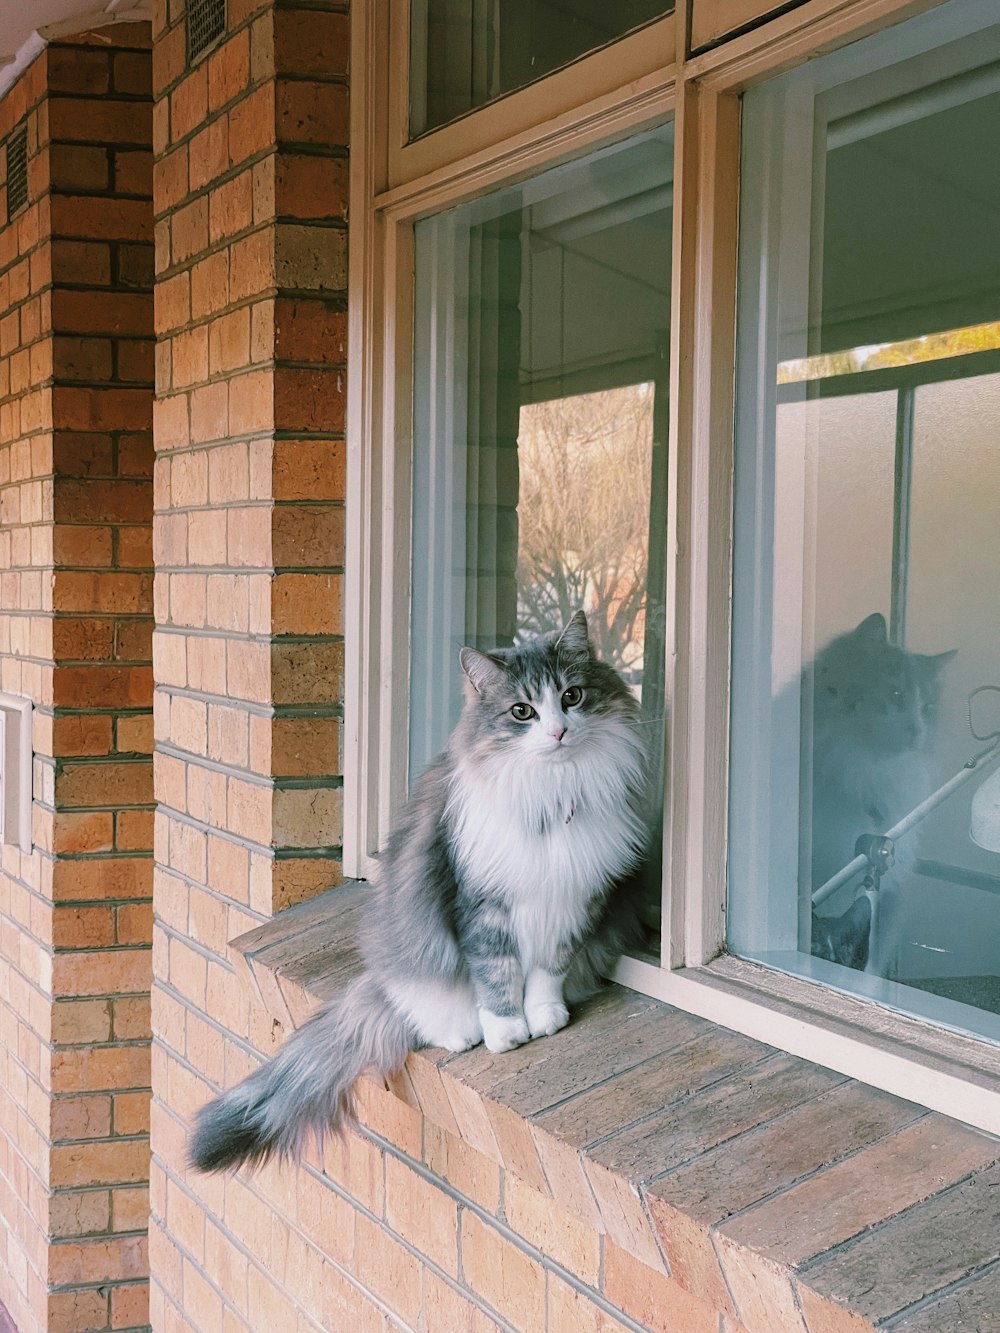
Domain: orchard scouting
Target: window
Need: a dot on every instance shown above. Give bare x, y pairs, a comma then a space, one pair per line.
542, 317
464, 55
867, 502
548, 286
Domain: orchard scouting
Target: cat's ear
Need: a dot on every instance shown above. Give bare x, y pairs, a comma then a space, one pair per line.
936, 662
873, 629
484, 671
574, 641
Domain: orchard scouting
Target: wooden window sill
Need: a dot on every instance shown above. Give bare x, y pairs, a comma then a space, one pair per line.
789, 1196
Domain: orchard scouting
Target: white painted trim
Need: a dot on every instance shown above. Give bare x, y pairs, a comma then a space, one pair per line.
16, 771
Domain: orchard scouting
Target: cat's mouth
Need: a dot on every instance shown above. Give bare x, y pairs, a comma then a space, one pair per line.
558, 749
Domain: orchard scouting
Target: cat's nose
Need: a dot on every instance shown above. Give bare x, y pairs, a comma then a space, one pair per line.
557, 732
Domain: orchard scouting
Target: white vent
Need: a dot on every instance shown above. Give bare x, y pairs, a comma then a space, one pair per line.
15, 771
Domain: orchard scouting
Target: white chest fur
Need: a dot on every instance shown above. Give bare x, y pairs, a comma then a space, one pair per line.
545, 839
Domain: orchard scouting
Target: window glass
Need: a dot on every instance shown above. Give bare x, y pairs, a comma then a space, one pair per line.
540, 424
465, 53
863, 851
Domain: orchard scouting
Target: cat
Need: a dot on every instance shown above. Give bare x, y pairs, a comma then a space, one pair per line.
508, 887
874, 707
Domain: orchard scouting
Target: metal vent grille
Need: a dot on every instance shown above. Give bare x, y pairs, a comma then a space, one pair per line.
17, 171
206, 22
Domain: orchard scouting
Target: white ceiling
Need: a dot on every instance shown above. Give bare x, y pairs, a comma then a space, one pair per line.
25, 27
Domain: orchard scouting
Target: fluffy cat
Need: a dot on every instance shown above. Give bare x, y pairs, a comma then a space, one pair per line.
873, 715
507, 887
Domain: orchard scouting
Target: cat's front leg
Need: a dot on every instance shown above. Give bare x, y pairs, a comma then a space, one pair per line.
499, 985
544, 1007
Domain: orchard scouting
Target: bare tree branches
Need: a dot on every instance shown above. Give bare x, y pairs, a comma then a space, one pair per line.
584, 516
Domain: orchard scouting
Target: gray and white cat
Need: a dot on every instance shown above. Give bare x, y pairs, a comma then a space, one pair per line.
874, 706
507, 888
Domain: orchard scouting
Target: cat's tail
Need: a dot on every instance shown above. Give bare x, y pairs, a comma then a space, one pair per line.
305, 1091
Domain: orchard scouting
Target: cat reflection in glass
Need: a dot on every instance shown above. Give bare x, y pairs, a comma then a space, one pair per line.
874, 707
508, 888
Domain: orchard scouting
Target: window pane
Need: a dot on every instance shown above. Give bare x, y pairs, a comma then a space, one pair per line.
465, 53
540, 424
866, 562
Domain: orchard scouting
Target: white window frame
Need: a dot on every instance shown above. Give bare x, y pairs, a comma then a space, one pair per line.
607, 96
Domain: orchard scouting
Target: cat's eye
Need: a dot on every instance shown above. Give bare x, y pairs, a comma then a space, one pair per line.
522, 712
572, 696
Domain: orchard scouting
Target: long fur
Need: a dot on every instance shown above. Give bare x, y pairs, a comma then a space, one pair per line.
305, 1091
874, 708
509, 885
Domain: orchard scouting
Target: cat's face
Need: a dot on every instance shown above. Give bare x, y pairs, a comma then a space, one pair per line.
877, 694
548, 700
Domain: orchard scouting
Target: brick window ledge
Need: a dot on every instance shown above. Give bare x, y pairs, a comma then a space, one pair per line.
777, 1191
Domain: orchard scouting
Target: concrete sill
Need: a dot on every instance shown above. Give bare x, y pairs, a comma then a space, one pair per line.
782, 1193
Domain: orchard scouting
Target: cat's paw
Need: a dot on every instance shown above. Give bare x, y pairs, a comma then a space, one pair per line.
463, 1039
503, 1033
546, 1017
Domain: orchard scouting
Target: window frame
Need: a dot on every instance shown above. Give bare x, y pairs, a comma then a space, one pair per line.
394, 184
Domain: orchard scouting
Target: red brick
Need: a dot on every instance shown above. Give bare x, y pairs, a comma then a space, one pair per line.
229, 70
209, 154
131, 1113
133, 173
130, 1305
189, 230
252, 265
89, 312
569, 1309
504, 1276
82, 358
189, 103
170, 179
83, 928
307, 604
308, 42
312, 112
135, 360
68, 1311
560, 1235
311, 187
252, 124
169, 58
97, 1259
854, 1194
90, 832
81, 1212
102, 218
130, 1208
654, 1300
386, 1268
229, 342
310, 470
71, 70
77, 1021
135, 265
209, 285
132, 72
79, 167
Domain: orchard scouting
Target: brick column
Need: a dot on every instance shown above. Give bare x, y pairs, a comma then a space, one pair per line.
75, 554
250, 200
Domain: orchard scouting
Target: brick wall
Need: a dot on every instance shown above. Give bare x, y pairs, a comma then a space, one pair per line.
405, 1225
76, 584
250, 202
